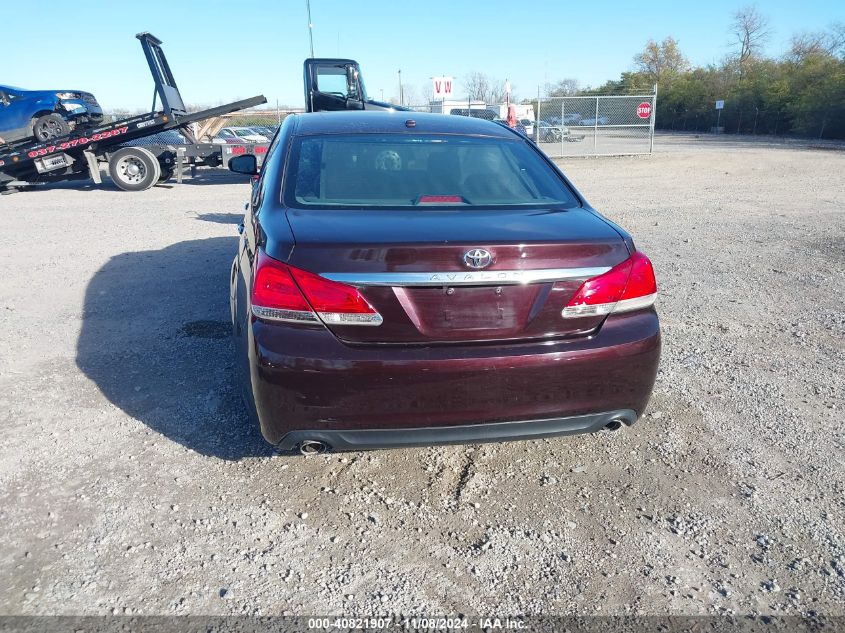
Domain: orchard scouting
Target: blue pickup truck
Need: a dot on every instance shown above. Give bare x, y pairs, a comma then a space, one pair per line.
44, 114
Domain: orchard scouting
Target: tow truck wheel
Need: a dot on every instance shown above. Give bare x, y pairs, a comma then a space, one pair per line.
166, 174
49, 126
134, 169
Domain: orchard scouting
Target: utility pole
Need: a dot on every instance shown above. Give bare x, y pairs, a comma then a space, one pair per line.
401, 92
310, 26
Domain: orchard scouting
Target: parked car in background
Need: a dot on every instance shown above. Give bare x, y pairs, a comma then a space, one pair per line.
548, 133
45, 114
448, 285
168, 137
476, 113
602, 120
571, 118
519, 127
239, 135
265, 130
528, 124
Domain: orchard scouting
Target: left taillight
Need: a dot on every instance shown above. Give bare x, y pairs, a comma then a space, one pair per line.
284, 293
627, 286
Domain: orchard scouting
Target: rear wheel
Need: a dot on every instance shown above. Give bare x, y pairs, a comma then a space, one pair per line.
134, 169
50, 126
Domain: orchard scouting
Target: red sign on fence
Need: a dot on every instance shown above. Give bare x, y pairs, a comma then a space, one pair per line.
644, 110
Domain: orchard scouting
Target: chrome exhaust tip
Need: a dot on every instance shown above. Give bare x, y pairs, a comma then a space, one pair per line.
312, 447
613, 425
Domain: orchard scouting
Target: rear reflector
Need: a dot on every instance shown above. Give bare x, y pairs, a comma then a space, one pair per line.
625, 287
284, 293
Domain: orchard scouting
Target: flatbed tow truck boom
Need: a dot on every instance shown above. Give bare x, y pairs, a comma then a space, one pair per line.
78, 155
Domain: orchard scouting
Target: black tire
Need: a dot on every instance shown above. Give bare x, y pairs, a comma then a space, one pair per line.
134, 169
49, 126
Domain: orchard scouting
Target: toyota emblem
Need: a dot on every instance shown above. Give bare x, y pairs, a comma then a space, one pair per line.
478, 258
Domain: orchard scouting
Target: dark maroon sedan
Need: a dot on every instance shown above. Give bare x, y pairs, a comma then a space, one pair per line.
407, 279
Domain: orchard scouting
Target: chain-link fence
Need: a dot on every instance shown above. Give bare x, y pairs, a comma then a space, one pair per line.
596, 125
602, 125
219, 129
561, 126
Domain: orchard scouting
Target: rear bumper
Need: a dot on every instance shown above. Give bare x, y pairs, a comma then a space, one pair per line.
356, 440
305, 382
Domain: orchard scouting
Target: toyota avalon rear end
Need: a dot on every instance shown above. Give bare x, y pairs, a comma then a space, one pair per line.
431, 280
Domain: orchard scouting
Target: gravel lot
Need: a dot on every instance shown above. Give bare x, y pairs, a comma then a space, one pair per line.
130, 481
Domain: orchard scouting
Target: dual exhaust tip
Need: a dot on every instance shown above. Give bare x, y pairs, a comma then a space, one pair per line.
313, 447
613, 425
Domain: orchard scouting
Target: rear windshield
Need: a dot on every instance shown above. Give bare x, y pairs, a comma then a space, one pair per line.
407, 170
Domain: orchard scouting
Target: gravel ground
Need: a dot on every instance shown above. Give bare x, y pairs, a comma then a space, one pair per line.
130, 481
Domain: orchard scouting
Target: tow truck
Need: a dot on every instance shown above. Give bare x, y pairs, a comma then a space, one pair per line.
79, 154
333, 84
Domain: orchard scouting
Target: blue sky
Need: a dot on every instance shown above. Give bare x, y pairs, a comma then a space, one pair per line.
225, 50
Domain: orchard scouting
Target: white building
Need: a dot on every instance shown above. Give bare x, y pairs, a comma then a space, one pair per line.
461, 106
497, 111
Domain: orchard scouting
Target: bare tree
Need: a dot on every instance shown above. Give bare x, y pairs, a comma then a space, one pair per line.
829, 42
750, 28
661, 60
410, 94
477, 84
498, 93
563, 88
427, 92
806, 44
837, 38
480, 87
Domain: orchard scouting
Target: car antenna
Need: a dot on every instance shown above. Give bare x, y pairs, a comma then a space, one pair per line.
310, 26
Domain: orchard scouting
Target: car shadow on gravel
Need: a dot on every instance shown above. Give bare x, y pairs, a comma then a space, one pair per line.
213, 176
155, 340
221, 218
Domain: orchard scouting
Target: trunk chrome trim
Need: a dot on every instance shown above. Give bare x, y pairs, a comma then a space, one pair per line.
466, 277
350, 318
306, 316
597, 309
288, 316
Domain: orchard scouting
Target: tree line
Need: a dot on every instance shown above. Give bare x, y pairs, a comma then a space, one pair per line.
801, 92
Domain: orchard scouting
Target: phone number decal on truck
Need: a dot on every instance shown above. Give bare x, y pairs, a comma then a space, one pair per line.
82, 140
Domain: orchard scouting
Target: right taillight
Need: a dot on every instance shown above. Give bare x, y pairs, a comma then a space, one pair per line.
625, 287
284, 293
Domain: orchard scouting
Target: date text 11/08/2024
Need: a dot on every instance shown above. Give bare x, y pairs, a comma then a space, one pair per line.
418, 623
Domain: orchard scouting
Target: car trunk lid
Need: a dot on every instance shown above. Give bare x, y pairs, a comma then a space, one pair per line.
414, 269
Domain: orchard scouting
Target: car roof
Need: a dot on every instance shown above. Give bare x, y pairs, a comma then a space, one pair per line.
386, 122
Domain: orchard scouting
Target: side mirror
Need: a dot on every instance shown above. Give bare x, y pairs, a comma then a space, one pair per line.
244, 164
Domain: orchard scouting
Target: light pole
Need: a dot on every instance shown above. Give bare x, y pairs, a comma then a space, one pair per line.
401, 93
